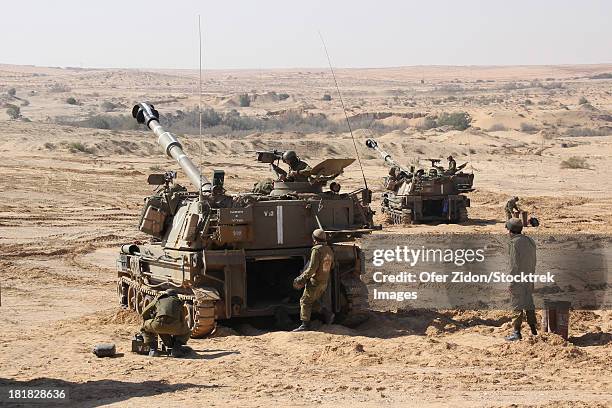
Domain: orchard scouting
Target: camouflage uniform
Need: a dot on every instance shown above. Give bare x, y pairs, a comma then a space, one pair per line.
165, 316
315, 278
510, 207
394, 179
300, 171
522, 250
264, 187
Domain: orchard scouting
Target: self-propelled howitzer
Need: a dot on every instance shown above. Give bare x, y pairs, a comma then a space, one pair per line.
420, 196
236, 255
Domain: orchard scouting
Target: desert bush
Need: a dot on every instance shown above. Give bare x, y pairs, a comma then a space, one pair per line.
528, 102
120, 122
428, 123
210, 118
575, 162
458, 120
80, 147
108, 106
582, 132
49, 146
583, 100
283, 96
13, 111
528, 127
605, 75
71, 101
244, 100
234, 123
12, 92
327, 97
497, 127
58, 88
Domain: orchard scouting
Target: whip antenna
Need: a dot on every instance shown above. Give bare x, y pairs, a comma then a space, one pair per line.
348, 123
200, 101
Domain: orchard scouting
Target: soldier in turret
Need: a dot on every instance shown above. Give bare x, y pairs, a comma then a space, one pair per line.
314, 280
452, 165
299, 170
165, 316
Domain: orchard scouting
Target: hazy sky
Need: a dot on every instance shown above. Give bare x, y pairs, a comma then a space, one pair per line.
283, 33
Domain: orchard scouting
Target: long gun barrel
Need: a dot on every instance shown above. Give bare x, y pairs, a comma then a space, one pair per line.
371, 143
145, 113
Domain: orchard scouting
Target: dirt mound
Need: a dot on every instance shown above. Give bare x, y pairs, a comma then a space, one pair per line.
351, 353
111, 317
544, 347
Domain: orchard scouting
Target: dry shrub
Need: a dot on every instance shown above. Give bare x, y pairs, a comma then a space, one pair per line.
575, 162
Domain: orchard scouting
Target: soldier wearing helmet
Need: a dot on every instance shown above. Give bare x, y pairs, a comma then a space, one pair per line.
165, 316
512, 208
314, 280
299, 170
522, 251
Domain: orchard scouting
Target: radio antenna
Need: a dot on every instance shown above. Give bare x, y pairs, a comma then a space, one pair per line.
200, 101
348, 123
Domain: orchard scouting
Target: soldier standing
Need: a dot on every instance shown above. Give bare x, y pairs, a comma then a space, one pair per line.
299, 170
165, 316
314, 279
452, 165
511, 207
522, 250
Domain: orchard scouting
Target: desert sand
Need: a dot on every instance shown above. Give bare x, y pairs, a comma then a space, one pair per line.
72, 195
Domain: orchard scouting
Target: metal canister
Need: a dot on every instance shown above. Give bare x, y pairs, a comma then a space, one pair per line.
524, 216
556, 317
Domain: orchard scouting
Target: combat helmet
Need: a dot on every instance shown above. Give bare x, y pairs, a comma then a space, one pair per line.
319, 235
514, 225
289, 157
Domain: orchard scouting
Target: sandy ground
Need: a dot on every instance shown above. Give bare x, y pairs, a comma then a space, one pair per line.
65, 211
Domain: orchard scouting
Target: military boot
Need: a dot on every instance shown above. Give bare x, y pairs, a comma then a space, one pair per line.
305, 326
178, 351
534, 330
153, 352
516, 335
328, 316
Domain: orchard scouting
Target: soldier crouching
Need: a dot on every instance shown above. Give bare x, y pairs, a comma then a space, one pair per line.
165, 316
314, 280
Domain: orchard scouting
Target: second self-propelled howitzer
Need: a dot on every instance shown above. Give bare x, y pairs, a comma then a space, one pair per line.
420, 196
236, 255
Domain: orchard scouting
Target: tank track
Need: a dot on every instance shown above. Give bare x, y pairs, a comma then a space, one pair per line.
357, 297
200, 313
397, 216
463, 215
